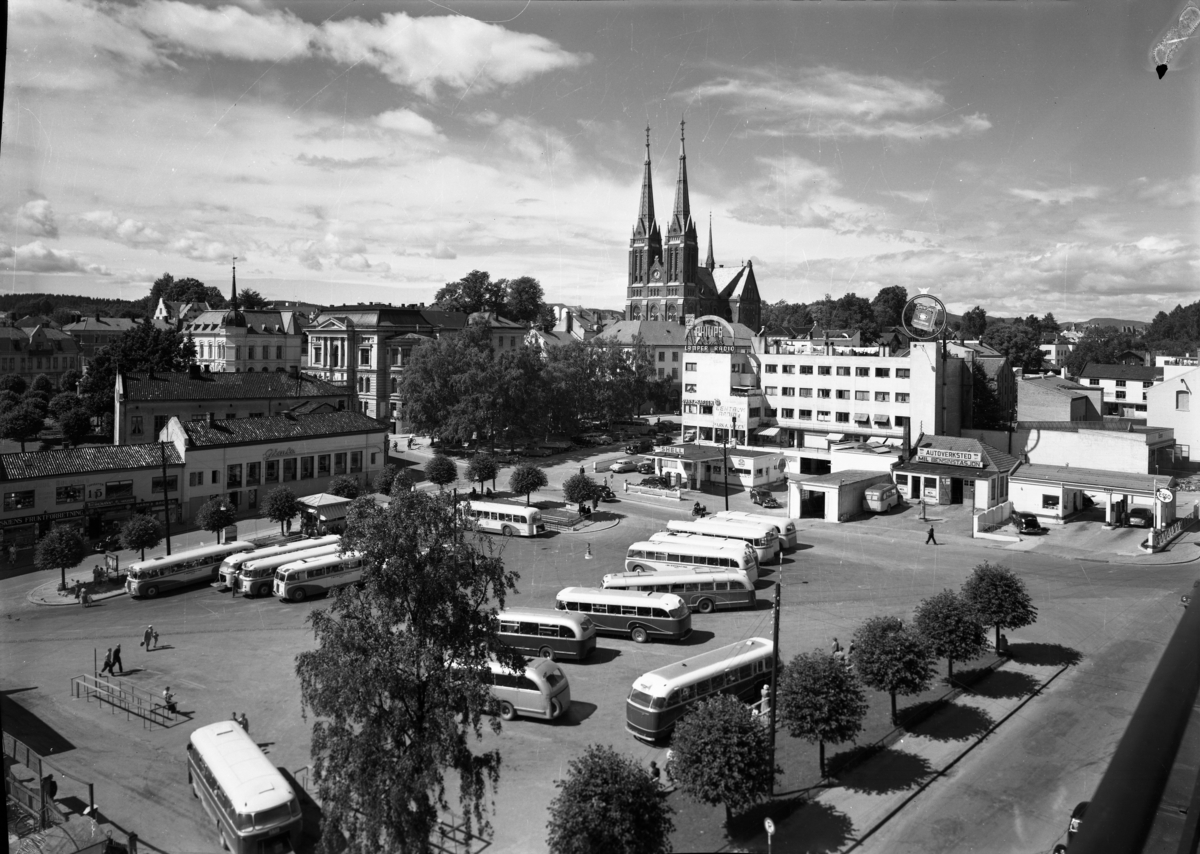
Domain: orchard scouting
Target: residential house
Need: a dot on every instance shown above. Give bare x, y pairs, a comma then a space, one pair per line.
1123, 386
232, 340
1175, 403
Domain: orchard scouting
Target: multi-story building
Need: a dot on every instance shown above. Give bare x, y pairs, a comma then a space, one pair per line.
1123, 386
1056, 349
502, 333
234, 341
92, 333
366, 347
178, 313
145, 402
240, 460
1175, 403
40, 350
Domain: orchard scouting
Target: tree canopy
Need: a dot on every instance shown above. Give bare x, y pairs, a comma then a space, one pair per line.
987, 412
481, 468
215, 515
1099, 344
76, 425
22, 423
1017, 342
888, 305
344, 486
396, 685
62, 549
527, 478
952, 628
579, 488
891, 656
280, 505
849, 311
820, 700
186, 289
250, 299
441, 470
999, 597
142, 348
792, 316
974, 324
141, 532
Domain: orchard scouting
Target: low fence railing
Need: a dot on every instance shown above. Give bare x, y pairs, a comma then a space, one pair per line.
1156, 540
119, 695
986, 522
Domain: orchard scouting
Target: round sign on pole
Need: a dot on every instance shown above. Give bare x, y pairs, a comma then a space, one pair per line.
1164, 495
770, 826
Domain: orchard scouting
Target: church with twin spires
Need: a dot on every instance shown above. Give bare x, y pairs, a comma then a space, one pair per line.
667, 282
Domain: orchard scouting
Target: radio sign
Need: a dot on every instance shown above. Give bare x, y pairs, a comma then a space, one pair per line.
967, 459
709, 337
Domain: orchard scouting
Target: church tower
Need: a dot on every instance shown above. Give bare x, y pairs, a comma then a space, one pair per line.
645, 247
681, 252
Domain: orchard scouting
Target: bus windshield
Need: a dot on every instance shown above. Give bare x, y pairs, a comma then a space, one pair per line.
641, 698
678, 611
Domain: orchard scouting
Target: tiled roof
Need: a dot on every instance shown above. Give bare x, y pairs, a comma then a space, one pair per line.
1057, 385
1093, 478
91, 458
102, 324
237, 431
225, 386
654, 332
401, 317
1141, 373
264, 322
993, 459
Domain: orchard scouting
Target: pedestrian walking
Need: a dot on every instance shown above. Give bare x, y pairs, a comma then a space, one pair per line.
244, 722
169, 700
235, 719
147, 636
581, 469
12, 553
154, 638
654, 772
108, 664
930, 538
117, 659
836, 650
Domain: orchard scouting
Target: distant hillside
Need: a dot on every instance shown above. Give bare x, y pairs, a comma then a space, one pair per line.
1111, 321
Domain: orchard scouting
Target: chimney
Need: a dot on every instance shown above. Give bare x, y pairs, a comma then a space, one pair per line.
193, 371
294, 371
212, 419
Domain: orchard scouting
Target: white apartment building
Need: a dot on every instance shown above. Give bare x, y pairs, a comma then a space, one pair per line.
1123, 386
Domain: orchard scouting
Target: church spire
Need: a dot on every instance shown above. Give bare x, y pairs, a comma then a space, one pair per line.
710, 262
646, 224
233, 292
682, 214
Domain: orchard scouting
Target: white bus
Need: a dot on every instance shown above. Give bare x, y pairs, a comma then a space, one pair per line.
704, 590
630, 613
296, 581
785, 527
257, 577
764, 539
541, 691
703, 541
150, 577
255, 810
689, 555
232, 564
511, 520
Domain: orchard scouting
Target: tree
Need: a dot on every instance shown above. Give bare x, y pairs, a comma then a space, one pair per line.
21, 424
38, 400
1017, 342
142, 348
473, 292
888, 305
251, 300
447, 386
987, 412
14, 383
141, 532
8, 401
999, 598
186, 289
62, 403
792, 316
396, 682
215, 515
950, 624
609, 805
280, 505
820, 699
891, 656
403, 482
975, 323
523, 300
76, 425
482, 467
69, 380
441, 470
62, 549
849, 311
43, 384
579, 488
722, 755
1101, 345
344, 486
527, 478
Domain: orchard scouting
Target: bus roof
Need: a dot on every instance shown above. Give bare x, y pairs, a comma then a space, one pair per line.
727, 527
593, 594
191, 554
659, 682
320, 560
284, 548
780, 523
676, 576
548, 614
277, 560
701, 541
250, 779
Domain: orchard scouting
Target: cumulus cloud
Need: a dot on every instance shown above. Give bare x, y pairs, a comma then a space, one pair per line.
270, 36
200, 247
36, 257
1059, 195
795, 192
37, 218
408, 123
127, 230
1176, 193
358, 263
830, 102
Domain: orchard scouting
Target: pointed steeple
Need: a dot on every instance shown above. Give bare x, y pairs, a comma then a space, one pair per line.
681, 216
710, 262
233, 292
645, 223
233, 317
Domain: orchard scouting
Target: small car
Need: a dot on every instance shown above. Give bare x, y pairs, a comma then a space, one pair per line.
1076, 820
606, 494
689, 436
639, 446
645, 468
1141, 517
623, 465
1027, 523
667, 426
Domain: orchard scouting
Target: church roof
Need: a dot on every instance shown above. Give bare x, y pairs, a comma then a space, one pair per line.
743, 286
653, 332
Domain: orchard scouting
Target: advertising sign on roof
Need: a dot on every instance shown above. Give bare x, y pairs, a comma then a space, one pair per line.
943, 456
710, 337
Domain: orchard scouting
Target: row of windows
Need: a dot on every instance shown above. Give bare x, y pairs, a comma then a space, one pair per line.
9, 364
728, 679
695, 560
842, 370
497, 517
616, 610
691, 587
1120, 383
541, 630
671, 312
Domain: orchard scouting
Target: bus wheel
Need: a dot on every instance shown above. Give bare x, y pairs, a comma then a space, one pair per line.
298, 595
639, 635
637, 567
507, 712
547, 653
151, 592
705, 606
507, 531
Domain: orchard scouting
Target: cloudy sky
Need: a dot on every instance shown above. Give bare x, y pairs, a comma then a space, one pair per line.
1021, 156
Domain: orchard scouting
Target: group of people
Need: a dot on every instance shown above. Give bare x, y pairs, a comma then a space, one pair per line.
112, 659
242, 721
842, 655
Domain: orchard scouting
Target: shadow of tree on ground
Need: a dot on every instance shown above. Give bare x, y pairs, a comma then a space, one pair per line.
1044, 654
889, 770
1005, 684
823, 828
946, 721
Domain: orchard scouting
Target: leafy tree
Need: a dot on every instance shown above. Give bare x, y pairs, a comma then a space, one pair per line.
950, 624
482, 467
251, 300
1101, 345
62, 316
527, 478
579, 488
609, 805
43, 384
974, 324
76, 425
183, 290
344, 486
69, 380
141, 532
14, 383
888, 305
62, 403
383, 481
849, 311
38, 400
143, 348
8, 401
215, 515
722, 755
21, 424
793, 316
447, 386
403, 482
62, 549
523, 300
891, 656
987, 413
280, 505
395, 684
441, 470
1017, 342
999, 598
473, 292
821, 700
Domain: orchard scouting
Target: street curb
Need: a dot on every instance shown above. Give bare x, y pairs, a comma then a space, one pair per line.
589, 530
52, 587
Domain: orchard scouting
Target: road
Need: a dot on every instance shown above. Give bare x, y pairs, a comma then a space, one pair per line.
224, 655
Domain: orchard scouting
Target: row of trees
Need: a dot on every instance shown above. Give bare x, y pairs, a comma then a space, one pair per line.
24, 408
851, 311
520, 299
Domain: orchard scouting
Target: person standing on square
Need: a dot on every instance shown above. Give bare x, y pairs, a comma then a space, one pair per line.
930, 539
116, 660
108, 663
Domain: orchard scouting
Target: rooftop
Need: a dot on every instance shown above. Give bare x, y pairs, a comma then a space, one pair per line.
238, 431
1140, 373
840, 478
224, 386
1091, 478
88, 459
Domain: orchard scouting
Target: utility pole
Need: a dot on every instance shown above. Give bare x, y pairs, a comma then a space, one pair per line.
774, 674
162, 446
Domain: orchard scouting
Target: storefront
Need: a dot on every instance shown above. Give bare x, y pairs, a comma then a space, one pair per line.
711, 467
949, 470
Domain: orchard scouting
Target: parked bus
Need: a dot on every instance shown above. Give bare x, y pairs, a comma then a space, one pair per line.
511, 520
254, 808
704, 590
232, 564
661, 697
547, 633
764, 539
257, 577
542, 691
150, 577
638, 614
785, 527
300, 579
689, 554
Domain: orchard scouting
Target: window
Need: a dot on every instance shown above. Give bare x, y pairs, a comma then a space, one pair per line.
250, 351
824, 370
901, 397
1120, 383
755, 412
1049, 502
789, 391
823, 415
68, 494
661, 373
306, 468
883, 372
662, 356
1120, 395
355, 461
902, 373
689, 366
791, 369
689, 408
862, 395
323, 465
843, 371
806, 392
1183, 401
862, 372
253, 474
156, 484
843, 394
843, 418
1093, 382
278, 352
118, 489
806, 415
364, 355
135, 425
18, 500
339, 463
675, 356
233, 476
675, 373
289, 469
787, 413
901, 420
272, 471
230, 416
196, 478
772, 369
881, 397
689, 387
160, 421
1147, 385
771, 390
824, 393
706, 409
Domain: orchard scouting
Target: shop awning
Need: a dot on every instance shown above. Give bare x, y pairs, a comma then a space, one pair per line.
835, 437
860, 416
768, 431
879, 416
329, 514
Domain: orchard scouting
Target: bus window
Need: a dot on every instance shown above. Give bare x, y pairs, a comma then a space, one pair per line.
524, 683
691, 587
629, 611
551, 631
707, 585
510, 628
745, 672
703, 687
566, 632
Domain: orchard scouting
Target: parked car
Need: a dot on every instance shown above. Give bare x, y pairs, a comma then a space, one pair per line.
645, 468
666, 425
1076, 820
606, 494
655, 481
623, 465
639, 446
1027, 523
1186, 599
689, 436
1141, 517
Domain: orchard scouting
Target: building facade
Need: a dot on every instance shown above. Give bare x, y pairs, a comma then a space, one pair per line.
39, 350
1052, 398
92, 333
1175, 404
1124, 387
235, 341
